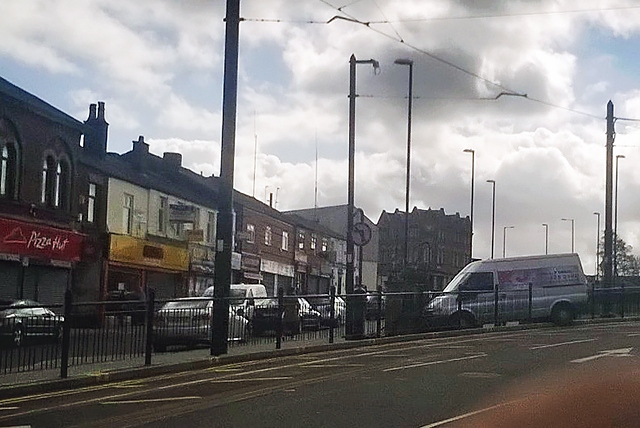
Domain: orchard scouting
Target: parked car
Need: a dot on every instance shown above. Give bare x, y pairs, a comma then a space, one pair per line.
376, 306
322, 304
25, 319
266, 313
187, 321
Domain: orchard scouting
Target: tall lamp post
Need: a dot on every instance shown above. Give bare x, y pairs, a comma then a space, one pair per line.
493, 215
597, 247
615, 224
350, 325
546, 238
573, 233
408, 63
473, 167
504, 240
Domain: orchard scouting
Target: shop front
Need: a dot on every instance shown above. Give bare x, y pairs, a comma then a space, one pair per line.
37, 261
201, 268
250, 266
277, 275
135, 265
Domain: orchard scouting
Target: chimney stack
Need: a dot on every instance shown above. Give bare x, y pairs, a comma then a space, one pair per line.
96, 131
172, 160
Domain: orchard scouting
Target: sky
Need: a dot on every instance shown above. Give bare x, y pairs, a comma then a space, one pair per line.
157, 65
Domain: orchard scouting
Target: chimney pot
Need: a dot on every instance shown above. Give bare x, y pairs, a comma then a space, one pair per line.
101, 110
92, 112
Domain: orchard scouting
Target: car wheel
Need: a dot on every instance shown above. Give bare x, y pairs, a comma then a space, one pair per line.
562, 315
18, 336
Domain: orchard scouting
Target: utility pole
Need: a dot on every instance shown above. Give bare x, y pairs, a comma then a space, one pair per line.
608, 205
222, 281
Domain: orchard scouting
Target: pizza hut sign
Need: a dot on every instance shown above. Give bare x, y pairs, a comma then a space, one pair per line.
27, 239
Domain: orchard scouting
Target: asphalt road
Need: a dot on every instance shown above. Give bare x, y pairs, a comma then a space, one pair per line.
543, 377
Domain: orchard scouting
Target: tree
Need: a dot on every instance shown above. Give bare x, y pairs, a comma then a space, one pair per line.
628, 263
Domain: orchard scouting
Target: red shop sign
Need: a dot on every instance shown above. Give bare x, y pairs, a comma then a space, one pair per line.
25, 239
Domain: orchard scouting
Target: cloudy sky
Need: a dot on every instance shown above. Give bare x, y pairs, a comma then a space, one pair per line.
157, 64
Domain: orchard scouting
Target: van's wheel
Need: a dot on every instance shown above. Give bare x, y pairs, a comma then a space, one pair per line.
462, 320
562, 314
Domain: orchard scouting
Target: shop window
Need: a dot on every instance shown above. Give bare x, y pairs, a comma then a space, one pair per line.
91, 202
8, 170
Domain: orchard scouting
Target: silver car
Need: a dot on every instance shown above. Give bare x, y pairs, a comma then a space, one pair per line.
25, 319
187, 321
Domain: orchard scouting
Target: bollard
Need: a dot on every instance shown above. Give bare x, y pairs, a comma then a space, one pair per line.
151, 297
66, 334
332, 312
279, 318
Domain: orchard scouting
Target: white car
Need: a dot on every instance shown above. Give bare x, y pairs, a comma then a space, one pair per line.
187, 321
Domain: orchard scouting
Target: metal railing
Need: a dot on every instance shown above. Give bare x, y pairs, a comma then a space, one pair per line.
140, 329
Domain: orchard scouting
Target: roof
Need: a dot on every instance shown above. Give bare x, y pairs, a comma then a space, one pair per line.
38, 106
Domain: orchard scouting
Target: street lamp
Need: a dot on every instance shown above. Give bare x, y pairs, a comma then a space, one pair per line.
493, 215
615, 224
597, 247
546, 238
504, 240
350, 325
473, 167
573, 233
409, 63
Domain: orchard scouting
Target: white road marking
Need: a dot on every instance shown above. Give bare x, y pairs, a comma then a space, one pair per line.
622, 352
152, 400
333, 365
430, 363
553, 345
480, 375
9, 408
254, 379
466, 415
633, 334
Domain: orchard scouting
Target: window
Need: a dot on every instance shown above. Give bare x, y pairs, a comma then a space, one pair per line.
285, 241
48, 181
251, 231
325, 245
314, 241
267, 235
127, 213
62, 185
91, 203
301, 240
163, 214
477, 281
8, 170
211, 227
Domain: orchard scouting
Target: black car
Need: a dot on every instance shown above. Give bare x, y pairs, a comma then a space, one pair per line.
266, 313
23, 319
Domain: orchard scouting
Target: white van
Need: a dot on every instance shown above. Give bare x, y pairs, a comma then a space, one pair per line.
243, 298
535, 287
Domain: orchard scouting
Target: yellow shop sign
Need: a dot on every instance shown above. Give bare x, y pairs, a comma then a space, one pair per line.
126, 249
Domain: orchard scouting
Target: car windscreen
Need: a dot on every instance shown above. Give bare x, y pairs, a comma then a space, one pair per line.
237, 296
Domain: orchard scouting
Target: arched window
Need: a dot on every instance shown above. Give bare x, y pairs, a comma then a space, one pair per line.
61, 186
49, 181
8, 170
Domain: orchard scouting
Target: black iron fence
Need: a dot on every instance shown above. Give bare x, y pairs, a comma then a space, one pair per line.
37, 338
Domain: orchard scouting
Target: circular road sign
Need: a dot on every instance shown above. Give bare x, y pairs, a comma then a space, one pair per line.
361, 234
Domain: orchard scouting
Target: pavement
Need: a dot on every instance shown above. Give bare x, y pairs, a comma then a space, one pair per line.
43, 381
